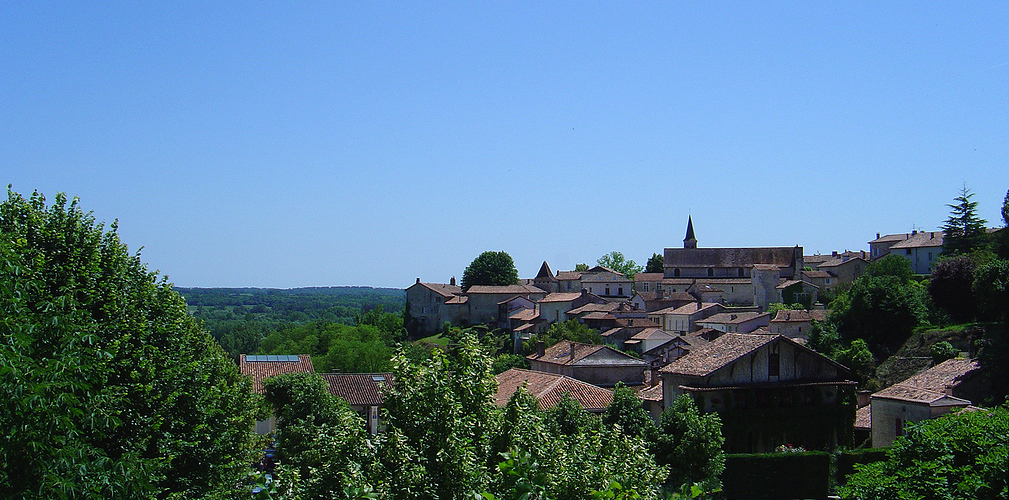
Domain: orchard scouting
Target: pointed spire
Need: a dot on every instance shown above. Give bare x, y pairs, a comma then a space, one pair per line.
545, 272
690, 241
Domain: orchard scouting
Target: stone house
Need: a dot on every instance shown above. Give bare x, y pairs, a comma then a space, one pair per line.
596, 364
880, 247
736, 322
607, 283
768, 391
921, 249
260, 367
432, 304
948, 386
845, 270
549, 388
796, 324
485, 302
363, 391
683, 320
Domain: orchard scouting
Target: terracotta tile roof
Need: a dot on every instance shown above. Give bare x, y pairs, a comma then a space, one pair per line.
930, 386
637, 323
561, 297
549, 388
891, 237
599, 315
799, 316
648, 277
732, 318
492, 289
920, 240
569, 275
262, 370
649, 333
653, 393
592, 307
361, 389
838, 261
690, 308
787, 283
816, 274
443, 289
863, 417
708, 358
561, 354
457, 299
809, 259
525, 315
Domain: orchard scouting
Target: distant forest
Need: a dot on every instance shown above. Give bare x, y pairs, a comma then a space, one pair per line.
240, 318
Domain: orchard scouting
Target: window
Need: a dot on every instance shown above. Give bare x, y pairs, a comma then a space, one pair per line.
676, 272
741, 272
620, 290
907, 252
898, 427
711, 272
644, 287
773, 362
607, 290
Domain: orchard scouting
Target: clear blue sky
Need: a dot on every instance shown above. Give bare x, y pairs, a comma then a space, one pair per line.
370, 143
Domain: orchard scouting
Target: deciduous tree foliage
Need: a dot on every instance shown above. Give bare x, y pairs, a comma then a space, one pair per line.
690, 444
654, 264
108, 388
959, 456
490, 268
951, 287
617, 262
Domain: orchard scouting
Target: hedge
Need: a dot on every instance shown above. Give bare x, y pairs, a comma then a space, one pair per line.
777, 475
846, 461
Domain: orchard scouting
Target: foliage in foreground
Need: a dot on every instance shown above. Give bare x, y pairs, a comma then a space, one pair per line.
445, 438
108, 388
959, 456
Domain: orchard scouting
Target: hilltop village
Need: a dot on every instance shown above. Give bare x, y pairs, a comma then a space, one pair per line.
702, 327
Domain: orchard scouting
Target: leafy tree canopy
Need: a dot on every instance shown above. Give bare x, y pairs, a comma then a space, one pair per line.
581, 267
951, 287
110, 388
964, 231
690, 443
654, 264
490, 268
617, 262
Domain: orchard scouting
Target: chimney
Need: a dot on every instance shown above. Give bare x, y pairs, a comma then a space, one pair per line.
541, 348
833, 253
418, 281
571, 355
914, 232
931, 235
877, 236
452, 281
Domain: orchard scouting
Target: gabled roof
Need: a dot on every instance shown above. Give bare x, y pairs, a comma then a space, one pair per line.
690, 308
262, 370
599, 315
717, 354
653, 393
649, 333
732, 318
891, 237
930, 386
799, 316
593, 307
787, 283
560, 297
359, 389
840, 260
816, 274
566, 352
923, 239
443, 289
496, 289
568, 275
525, 315
648, 277
637, 323
549, 388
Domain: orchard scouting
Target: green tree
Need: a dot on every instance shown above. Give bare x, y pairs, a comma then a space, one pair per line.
319, 436
690, 444
110, 388
857, 357
883, 306
567, 417
991, 287
627, 411
1001, 238
490, 268
959, 456
581, 267
951, 287
654, 264
964, 231
617, 262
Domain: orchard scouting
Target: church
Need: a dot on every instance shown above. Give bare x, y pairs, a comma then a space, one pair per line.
746, 276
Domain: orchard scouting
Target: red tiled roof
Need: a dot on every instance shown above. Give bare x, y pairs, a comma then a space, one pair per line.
443, 289
569, 275
799, 316
732, 318
262, 370
921, 240
549, 388
653, 393
863, 417
491, 289
525, 315
359, 389
561, 297
648, 277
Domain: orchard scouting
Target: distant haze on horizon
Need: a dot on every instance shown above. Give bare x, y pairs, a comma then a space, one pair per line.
371, 143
